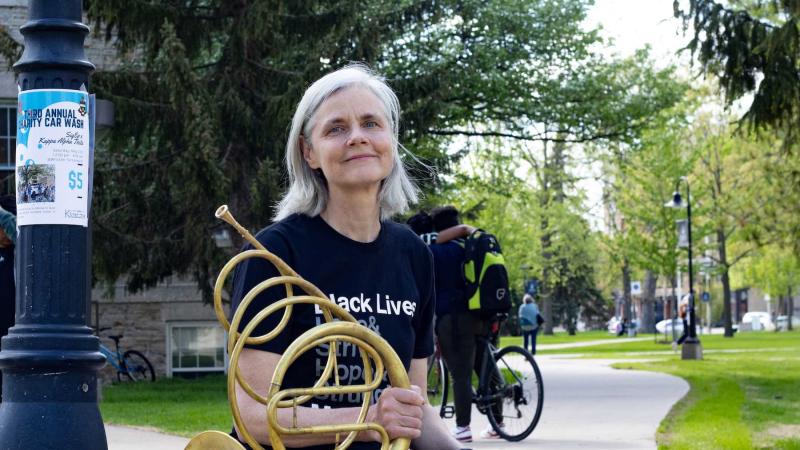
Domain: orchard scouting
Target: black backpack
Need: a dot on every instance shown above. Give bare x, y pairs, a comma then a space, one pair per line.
485, 274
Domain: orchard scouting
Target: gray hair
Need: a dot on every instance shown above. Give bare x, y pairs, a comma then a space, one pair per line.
308, 192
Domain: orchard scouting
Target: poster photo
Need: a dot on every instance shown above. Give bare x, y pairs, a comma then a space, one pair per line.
52, 159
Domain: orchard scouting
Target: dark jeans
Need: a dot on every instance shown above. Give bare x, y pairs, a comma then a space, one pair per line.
456, 334
685, 333
530, 336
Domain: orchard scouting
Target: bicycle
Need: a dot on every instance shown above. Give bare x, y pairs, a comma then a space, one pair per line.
510, 390
437, 374
132, 364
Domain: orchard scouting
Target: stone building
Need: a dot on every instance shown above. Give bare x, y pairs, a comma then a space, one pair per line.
169, 324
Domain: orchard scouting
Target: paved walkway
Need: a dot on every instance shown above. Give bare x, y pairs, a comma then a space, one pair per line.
587, 405
124, 438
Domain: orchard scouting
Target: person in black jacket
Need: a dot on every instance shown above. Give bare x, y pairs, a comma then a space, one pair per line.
8, 238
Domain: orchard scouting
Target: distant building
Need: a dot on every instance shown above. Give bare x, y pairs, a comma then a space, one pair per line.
169, 324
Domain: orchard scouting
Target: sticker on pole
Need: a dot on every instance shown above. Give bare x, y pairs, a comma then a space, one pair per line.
52, 157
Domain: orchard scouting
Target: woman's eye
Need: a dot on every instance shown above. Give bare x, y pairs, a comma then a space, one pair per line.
335, 130
371, 124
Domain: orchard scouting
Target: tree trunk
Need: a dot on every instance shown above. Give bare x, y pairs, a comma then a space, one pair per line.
546, 288
648, 302
726, 284
790, 308
674, 303
627, 311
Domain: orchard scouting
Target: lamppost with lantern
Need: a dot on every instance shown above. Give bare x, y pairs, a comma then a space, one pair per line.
691, 349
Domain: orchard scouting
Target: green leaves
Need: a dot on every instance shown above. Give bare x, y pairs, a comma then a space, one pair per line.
205, 91
753, 48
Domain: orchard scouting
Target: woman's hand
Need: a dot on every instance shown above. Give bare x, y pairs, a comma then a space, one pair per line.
399, 412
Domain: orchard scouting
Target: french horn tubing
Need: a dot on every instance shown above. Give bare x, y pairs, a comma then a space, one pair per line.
376, 354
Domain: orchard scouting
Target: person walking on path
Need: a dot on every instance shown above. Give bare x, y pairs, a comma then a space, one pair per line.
683, 313
529, 322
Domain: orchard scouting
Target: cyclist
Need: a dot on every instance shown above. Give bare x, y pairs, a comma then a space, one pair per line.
456, 327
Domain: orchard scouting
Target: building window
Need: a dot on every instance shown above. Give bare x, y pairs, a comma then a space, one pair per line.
8, 143
195, 347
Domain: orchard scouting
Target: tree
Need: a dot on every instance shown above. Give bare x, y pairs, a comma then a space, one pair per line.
642, 179
776, 270
492, 196
206, 87
752, 47
223, 79
728, 177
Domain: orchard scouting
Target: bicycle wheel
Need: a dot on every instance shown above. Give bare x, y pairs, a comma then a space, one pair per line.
137, 367
521, 394
435, 380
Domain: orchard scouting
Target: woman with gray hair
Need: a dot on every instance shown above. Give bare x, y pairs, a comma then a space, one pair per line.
332, 226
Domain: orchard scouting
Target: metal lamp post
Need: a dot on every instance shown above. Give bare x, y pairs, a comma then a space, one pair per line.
691, 349
50, 357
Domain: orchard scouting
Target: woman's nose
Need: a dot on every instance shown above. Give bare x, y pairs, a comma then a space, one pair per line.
357, 136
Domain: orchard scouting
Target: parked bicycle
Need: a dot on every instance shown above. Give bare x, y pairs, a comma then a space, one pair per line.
131, 365
509, 392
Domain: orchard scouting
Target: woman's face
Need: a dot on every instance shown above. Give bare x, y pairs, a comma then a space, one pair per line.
351, 140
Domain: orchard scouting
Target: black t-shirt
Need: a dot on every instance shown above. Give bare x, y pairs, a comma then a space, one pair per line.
6, 289
387, 285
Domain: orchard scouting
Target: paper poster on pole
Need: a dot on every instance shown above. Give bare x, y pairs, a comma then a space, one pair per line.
52, 161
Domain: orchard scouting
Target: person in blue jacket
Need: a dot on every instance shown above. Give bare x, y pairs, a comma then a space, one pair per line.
529, 323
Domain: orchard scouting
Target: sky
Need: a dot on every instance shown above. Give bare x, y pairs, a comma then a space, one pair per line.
632, 24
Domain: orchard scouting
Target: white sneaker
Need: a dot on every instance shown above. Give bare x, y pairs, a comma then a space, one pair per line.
489, 432
462, 434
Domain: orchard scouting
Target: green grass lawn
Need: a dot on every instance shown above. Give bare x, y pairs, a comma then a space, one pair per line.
175, 406
737, 401
744, 394
741, 342
559, 338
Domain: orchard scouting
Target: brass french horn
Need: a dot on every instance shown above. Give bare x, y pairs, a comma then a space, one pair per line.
376, 354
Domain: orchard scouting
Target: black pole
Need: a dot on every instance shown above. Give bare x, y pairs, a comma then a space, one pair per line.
692, 324
50, 357
691, 348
